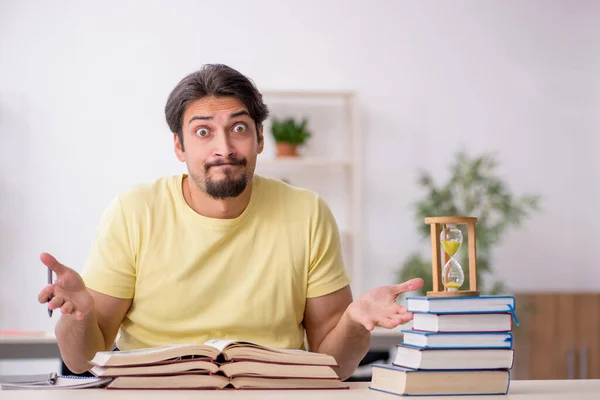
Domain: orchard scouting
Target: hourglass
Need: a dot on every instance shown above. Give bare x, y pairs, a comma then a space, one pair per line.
446, 235
453, 276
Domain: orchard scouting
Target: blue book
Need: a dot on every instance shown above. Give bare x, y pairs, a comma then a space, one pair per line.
457, 340
461, 304
485, 304
410, 382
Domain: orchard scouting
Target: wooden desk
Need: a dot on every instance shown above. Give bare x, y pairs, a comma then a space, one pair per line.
519, 390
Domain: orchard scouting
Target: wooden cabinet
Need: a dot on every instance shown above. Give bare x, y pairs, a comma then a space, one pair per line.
558, 336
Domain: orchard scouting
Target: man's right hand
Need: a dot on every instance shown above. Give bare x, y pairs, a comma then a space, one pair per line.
68, 292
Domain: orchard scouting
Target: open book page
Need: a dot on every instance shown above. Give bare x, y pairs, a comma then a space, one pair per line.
236, 350
281, 356
154, 355
216, 350
233, 350
223, 344
175, 367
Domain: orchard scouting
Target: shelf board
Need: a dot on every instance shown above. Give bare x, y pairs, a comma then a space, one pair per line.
301, 162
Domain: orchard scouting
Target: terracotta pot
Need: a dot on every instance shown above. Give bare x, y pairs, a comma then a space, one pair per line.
287, 149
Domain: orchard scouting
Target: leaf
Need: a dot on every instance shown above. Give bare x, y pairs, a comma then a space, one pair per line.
289, 130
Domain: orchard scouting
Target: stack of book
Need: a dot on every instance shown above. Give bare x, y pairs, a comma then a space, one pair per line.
457, 346
216, 364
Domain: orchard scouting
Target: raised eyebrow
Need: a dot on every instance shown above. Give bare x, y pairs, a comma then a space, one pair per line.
209, 117
239, 113
200, 117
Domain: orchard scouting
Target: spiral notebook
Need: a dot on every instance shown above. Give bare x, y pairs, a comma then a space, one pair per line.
50, 381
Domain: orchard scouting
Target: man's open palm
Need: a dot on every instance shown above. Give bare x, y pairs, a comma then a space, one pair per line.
68, 293
378, 307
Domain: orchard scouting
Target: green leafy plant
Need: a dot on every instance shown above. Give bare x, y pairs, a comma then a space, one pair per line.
288, 130
473, 189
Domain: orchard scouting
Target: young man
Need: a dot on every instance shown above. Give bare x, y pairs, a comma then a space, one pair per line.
218, 252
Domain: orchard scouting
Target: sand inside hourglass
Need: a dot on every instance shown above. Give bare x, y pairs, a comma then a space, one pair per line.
450, 246
452, 285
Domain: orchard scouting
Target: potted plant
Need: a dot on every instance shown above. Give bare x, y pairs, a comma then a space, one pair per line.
472, 189
289, 134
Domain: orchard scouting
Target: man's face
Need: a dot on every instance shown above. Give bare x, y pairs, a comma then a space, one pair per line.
220, 145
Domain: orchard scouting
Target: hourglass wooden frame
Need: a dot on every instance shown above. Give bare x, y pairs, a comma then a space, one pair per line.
436, 224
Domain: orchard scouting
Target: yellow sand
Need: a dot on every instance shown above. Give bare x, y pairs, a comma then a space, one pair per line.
450, 246
452, 285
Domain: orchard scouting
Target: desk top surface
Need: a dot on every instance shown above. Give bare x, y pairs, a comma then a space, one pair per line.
519, 390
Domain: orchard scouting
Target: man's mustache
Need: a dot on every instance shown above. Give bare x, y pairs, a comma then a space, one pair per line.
228, 161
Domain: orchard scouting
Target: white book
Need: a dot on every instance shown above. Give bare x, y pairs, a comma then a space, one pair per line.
453, 359
502, 340
463, 322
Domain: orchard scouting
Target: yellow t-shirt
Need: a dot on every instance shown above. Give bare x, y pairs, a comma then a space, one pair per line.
194, 278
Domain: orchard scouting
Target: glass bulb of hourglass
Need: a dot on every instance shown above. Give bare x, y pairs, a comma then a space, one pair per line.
452, 275
451, 239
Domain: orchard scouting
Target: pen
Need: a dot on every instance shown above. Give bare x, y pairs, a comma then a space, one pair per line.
49, 283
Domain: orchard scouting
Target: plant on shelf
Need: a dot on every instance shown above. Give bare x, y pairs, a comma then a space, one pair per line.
289, 134
473, 189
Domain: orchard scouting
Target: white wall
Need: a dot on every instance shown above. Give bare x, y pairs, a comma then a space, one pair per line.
83, 86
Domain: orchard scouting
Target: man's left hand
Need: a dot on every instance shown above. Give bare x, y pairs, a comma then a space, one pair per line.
378, 306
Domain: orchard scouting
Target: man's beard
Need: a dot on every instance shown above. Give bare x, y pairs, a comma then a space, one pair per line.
229, 186
225, 187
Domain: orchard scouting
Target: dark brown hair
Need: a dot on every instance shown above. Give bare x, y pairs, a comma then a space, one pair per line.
216, 80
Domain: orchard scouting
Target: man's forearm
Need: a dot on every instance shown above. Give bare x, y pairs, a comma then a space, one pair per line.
79, 340
348, 342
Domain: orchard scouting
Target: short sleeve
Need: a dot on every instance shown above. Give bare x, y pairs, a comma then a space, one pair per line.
326, 272
110, 266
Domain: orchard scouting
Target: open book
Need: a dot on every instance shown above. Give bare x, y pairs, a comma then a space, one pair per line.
217, 364
229, 369
219, 351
